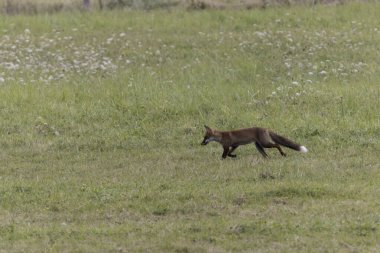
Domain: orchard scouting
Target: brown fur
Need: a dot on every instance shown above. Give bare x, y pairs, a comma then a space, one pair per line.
262, 137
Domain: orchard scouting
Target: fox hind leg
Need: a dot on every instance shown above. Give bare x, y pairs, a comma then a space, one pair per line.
274, 145
267, 142
261, 149
279, 149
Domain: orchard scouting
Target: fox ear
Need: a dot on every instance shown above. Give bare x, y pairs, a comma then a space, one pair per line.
207, 128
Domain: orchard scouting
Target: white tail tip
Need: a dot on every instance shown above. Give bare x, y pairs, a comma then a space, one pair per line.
303, 149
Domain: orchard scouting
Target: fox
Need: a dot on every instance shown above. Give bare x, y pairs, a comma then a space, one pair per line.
262, 137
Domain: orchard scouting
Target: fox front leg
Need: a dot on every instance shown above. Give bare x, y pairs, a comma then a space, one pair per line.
232, 150
225, 152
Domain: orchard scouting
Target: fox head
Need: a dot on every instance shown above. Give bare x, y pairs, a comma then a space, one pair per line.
210, 135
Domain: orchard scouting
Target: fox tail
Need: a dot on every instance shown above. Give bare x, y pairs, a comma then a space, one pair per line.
287, 143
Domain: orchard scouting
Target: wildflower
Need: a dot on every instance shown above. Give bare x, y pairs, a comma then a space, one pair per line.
109, 40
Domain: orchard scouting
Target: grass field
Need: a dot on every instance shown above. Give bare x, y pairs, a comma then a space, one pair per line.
102, 117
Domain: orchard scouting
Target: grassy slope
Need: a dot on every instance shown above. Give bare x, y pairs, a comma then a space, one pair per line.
109, 159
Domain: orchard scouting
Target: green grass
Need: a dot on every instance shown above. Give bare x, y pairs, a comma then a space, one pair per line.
102, 117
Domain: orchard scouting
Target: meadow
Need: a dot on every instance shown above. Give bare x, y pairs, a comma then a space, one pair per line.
102, 117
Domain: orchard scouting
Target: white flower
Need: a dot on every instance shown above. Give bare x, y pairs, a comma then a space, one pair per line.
109, 40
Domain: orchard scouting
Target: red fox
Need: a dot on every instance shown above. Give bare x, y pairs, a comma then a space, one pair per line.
263, 138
